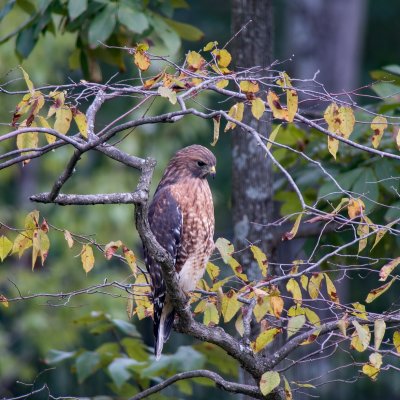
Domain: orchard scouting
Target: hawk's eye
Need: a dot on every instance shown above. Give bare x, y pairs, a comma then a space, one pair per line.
201, 163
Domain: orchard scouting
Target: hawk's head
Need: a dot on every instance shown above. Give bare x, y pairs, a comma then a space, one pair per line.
191, 162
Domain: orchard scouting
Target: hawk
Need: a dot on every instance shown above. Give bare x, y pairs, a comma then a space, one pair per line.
181, 217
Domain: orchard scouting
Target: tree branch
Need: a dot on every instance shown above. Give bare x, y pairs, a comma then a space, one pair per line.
231, 387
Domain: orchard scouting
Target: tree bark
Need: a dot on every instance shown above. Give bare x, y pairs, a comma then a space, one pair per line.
251, 171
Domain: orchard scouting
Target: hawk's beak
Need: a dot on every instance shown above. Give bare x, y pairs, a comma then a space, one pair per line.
213, 171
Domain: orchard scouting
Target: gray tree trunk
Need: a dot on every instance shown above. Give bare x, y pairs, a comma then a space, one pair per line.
251, 170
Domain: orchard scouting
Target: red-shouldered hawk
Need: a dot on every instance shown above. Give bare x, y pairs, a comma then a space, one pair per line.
181, 217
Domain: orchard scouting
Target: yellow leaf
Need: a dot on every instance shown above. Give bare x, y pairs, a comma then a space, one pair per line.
141, 297
292, 100
387, 269
331, 289
304, 281
68, 238
359, 311
333, 146
378, 125
257, 107
44, 124
217, 123
130, 259
293, 287
29, 140
210, 45
201, 306
362, 230
294, 324
111, 248
293, 232
342, 325
223, 57
63, 119
331, 116
296, 310
81, 122
379, 332
141, 60
212, 271
269, 381
371, 371
375, 293
284, 80
168, 93
21, 243
277, 110
361, 337
32, 222
235, 112
40, 246
239, 324
277, 304
314, 285
249, 86
288, 391
273, 135
5, 247
211, 316
355, 208
262, 307
396, 341
87, 258
143, 46
312, 316
28, 81
230, 305
347, 121
264, 338
59, 101
194, 60
221, 84
398, 139
261, 259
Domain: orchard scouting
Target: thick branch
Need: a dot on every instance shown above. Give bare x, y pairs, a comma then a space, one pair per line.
87, 199
202, 373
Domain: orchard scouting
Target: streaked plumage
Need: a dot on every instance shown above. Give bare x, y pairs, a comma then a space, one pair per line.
181, 216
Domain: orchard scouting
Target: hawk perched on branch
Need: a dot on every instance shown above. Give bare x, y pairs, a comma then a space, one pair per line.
181, 217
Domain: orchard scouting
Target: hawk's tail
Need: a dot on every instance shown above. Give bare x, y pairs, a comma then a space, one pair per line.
163, 321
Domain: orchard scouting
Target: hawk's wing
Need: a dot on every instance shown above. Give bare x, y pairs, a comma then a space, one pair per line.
165, 218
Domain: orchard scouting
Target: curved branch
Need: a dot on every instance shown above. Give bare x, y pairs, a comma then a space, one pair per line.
231, 387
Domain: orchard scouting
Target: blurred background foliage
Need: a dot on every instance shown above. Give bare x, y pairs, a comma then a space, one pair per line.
60, 44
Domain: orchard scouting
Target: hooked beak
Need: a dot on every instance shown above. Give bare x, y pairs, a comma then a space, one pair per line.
213, 171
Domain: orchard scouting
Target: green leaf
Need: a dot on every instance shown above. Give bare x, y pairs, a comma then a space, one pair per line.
56, 356
126, 327
86, 364
25, 42
134, 20
76, 8
5, 247
185, 31
102, 26
6, 9
169, 37
118, 370
269, 381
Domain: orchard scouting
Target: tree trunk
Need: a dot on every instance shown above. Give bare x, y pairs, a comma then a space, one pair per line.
251, 170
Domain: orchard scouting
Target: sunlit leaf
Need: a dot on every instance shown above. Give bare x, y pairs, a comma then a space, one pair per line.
63, 119
277, 304
141, 60
194, 60
359, 311
292, 100
249, 86
111, 248
312, 316
355, 208
314, 285
210, 45
347, 121
269, 381
396, 341
223, 57
262, 307
278, 111
293, 232
371, 371
375, 293
130, 259
212, 271
226, 249
81, 122
230, 305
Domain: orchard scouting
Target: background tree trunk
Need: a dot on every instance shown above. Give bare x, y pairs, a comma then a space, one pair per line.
251, 170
